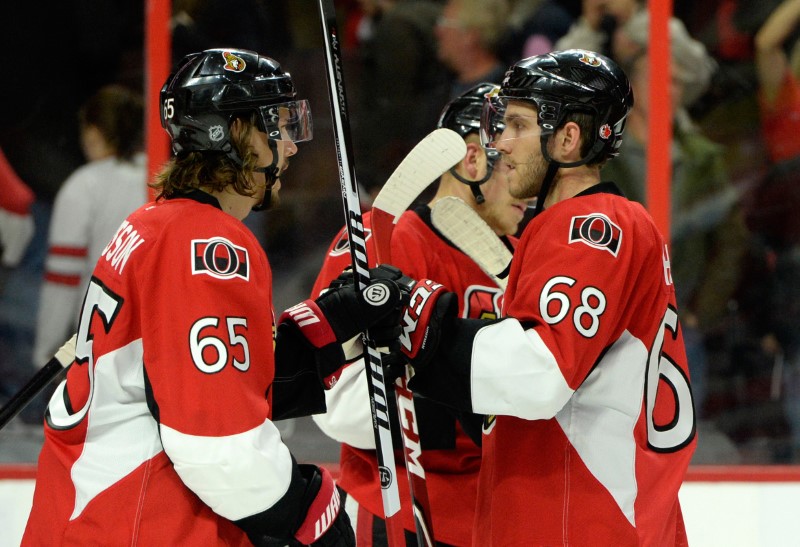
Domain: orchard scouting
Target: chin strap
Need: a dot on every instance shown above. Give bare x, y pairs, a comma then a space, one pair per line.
475, 185
553, 167
270, 176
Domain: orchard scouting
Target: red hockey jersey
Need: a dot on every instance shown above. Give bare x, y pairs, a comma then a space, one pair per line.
450, 459
589, 383
161, 432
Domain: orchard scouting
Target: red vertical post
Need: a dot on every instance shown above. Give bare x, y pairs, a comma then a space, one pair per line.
659, 157
158, 63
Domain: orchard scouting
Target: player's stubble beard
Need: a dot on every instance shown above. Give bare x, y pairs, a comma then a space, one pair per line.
525, 179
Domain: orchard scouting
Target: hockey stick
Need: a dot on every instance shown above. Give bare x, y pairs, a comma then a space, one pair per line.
60, 361
431, 157
436, 153
459, 223
379, 388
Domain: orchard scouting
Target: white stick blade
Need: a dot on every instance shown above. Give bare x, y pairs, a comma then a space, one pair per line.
462, 225
436, 153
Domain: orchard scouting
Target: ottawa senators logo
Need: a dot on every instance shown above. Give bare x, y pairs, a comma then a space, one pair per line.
220, 258
489, 423
342, 245
596, 230
589, 59
234, 63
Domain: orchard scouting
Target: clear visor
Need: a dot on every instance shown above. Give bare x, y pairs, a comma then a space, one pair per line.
503, 120
287, 121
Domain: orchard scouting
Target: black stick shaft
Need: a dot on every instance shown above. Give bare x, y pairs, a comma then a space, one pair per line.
30, 390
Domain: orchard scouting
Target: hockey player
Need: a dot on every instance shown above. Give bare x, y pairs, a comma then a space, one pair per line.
161, 433
450, 459
590, 423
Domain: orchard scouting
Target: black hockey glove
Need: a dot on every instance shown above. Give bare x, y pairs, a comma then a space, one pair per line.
430, 311
326, 524
310, 513
332, 321
384, 332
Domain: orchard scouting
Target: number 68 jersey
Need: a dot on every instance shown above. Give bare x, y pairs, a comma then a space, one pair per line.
588, 380
164, 414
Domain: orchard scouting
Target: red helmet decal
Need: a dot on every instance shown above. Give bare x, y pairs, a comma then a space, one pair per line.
605, 132
234, 63
589, 59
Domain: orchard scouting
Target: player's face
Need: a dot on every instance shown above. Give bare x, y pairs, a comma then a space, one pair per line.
501, 211
521, 161
285, 149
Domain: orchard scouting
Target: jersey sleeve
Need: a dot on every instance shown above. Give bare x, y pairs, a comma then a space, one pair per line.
16, 196
349, 416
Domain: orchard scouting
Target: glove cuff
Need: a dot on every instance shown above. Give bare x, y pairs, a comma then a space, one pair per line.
322, 511
311, 322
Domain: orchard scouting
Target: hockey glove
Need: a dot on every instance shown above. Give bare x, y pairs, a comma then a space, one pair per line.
332, 321
430, 311
385, 332
310, 513
326, 524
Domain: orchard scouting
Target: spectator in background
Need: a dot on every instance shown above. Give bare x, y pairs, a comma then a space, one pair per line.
620, 28
708, 238
468, 35
690, 58
597, 23
534, 26
16, 221
779, 88
89, 207
400, 87
773, 216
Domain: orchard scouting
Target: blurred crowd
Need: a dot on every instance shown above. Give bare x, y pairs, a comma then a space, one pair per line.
735, 153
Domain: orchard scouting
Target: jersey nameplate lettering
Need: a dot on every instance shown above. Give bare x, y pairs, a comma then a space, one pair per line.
122, 245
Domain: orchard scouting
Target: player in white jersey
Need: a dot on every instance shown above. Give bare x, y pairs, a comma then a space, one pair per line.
89, 207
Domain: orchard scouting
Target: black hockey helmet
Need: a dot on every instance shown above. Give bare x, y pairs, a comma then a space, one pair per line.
463, 115
207, 90
564, 82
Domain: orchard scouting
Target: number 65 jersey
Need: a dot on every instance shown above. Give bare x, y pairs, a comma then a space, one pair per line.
161, 433
588, 380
